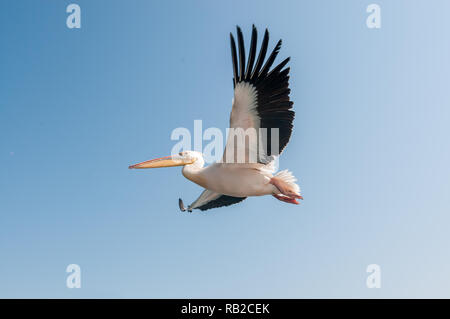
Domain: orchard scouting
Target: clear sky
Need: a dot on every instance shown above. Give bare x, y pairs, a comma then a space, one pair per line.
370, 149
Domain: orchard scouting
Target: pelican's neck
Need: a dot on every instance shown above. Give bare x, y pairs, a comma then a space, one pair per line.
193, 172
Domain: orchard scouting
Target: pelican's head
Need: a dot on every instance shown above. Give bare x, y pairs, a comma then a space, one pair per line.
180, 159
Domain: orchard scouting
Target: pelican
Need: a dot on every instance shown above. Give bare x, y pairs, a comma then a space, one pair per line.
261, 100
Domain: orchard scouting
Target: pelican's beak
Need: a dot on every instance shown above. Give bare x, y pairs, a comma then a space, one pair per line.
168, 161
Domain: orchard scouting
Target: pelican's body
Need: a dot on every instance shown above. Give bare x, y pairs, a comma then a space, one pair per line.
239, 180
261, 104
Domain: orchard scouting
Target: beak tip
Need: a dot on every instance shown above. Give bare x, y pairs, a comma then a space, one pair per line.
131, 167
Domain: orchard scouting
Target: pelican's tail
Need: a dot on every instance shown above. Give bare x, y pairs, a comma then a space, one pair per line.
289, 179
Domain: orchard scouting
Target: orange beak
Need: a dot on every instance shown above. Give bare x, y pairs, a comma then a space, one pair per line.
168, 161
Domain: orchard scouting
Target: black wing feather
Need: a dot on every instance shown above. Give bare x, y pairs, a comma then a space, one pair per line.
252, 54
234, 59
241, 54
279, 67
262, 55
223, 200
270, 60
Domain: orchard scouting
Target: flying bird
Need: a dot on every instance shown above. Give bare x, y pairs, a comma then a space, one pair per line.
261, 101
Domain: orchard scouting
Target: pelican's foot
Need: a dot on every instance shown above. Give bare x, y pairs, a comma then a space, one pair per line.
182, 208
181, 205
286, 199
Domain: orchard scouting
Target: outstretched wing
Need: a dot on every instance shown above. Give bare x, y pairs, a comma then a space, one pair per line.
261, 101
209, 199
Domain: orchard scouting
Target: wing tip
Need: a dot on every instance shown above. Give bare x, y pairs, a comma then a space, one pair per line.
181, 205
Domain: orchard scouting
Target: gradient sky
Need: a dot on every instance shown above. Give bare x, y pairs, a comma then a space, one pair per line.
370, 149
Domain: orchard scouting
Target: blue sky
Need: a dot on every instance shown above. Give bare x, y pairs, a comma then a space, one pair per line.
370, 149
